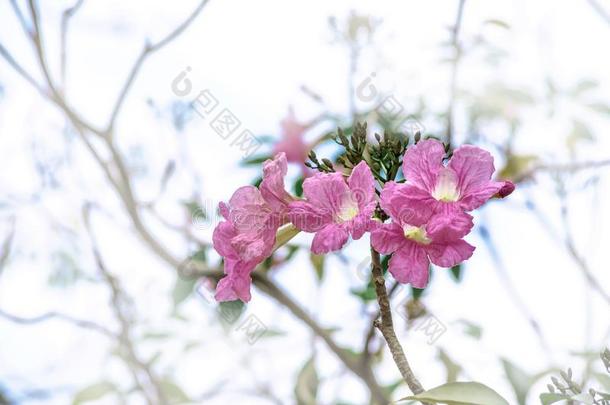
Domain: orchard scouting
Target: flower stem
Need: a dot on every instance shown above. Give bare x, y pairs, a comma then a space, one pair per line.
386, 326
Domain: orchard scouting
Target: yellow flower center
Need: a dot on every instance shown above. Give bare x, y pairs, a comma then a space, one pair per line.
417, 234
349, 210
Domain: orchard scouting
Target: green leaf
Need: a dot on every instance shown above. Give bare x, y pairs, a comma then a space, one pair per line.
604, 380
453, 369
599, 107
306, 388
173, 392
93, 392
460, 393
519, 380
471, 329
456, 271
317, 261
256, 160
551, 398
182, 289
298, 186
583, 397
366, 293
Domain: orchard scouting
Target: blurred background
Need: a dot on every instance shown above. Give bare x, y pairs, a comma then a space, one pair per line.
114, 161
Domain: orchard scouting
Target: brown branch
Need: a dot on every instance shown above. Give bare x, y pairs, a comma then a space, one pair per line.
81, 323
454, 69
386, 326
65, 20
146, 52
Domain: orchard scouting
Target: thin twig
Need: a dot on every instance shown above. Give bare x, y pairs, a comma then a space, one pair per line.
386, 326
454, 69
601, 11
146, 52
81, 323
65, 20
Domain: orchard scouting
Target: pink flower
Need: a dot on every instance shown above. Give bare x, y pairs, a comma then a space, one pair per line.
465, 182
292, 143
419, 236
247, 235
334, 209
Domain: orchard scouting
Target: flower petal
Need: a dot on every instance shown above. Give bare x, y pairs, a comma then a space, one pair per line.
410, 264
450, 254
407, 204
388, 238
474, 167
330, 238
221, 239
362, 185
450, 225
272, 186
326, 191
422, 163
236, 284
307, 217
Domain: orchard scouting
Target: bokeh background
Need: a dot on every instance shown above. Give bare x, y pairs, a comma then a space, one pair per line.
97, 214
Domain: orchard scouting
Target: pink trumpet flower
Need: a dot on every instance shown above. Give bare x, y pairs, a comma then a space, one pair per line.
334, 209
417, 236
464, 183
247, 236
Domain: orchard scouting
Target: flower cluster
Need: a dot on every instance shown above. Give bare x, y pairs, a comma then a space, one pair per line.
428, 213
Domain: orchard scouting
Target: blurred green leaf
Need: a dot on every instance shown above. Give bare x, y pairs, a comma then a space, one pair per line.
306, 388
498, 23
599, 107
182, 290
298, 186
93, 392
550, 398
256, 160
471, 329
461, 393
580, 133
453, 369
520, 381
173, 392
317, 261
456, 272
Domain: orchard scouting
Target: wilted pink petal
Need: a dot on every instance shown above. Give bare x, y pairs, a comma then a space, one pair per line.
236, 284
272, 186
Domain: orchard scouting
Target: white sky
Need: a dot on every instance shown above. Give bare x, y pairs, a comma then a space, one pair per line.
254, 56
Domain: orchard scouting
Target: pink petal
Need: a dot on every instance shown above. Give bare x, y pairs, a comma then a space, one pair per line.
330, 238
388, 238
254, 246
248, 209
407, 204
236, 284
449, 226
307, 217
221, 238
422, 163
474, 168
362, 223
326, 191
449, 254
410, 264
272, 186
362, 185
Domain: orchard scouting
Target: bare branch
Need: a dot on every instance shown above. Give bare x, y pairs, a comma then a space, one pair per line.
146, 52
65, 19
21, 71
81, 323
454, 69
